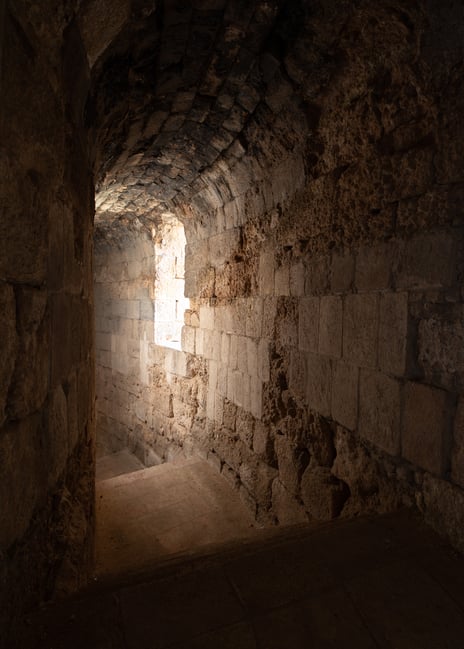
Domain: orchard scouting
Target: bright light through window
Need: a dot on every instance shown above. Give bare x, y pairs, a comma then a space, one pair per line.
170, 302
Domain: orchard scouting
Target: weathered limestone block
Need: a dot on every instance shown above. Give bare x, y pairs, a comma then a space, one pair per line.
292, 460
266, 273
322, 493
330, 326
56, 436
308, 324
256, 398
297, 279
425, 426
22, 474
244, 426
263, 443
379, 410
341, 272
317, 276
242, 349
319, 441
286, 324
264, 363
441, 348
253, 317
258, 477
269, 317
207, 317
372, 490
416, 269
286, 507
297, 373
393, 333
360, 323
345, 394
162, 400
444, 509
319, 383
9, 340
457, 457
374, 266
223, 246
179, 363
282, 281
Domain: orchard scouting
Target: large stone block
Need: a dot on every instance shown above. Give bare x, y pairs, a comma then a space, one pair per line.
29, 385
292, 461
330, 326
297, 279
282, 280
360, 324
319, 383
308, 324
297, 373
444, 509
256, 398
380, 410
345, 394
457, 456
416, 269
441, 347
322, 493
242, 362
252, 357
264, 363
393, 333
374, 266
341, 272
22, 477
207, 317
162, 400
56, 435
286, 507
223, 246
317, 276
258, 477
266, 273
253, 317
425, 427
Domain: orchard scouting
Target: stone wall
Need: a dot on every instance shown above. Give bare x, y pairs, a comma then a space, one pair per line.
124, 281
321, 365
329, 283
46, 373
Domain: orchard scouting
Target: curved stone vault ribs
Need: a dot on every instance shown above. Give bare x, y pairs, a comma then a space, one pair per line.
313, 152
182, 103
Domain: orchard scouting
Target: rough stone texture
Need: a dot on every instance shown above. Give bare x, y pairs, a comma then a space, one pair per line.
323, 494
46, 379
425, 427
360, 329
457, 457
315, 162
315, 182
345, 394
393, 333
380, 410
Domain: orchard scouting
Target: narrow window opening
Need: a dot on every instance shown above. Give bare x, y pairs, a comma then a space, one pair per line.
170, 303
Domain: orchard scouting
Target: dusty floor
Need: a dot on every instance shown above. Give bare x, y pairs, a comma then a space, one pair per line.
165, 510
384, 582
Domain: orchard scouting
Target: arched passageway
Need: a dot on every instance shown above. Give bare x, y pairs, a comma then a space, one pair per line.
313, 154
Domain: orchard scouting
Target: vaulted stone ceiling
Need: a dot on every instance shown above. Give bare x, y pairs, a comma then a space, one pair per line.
180, 93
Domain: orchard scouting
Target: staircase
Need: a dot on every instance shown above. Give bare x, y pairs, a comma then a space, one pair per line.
181, 565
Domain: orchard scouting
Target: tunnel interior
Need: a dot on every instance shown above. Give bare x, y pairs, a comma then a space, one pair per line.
239, 225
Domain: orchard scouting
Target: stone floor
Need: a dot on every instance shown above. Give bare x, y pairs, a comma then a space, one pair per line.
383, 582
165, 510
